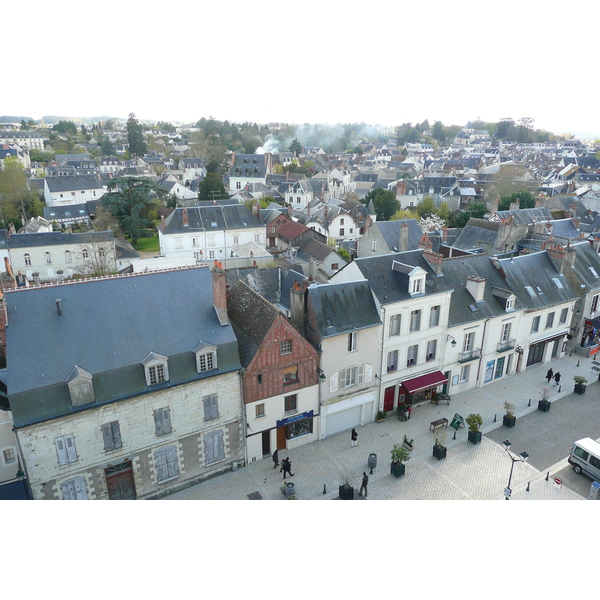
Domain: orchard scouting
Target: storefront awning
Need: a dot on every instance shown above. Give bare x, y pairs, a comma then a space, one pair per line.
550, 337
424, 381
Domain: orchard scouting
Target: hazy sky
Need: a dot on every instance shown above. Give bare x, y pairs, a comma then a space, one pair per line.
386, 62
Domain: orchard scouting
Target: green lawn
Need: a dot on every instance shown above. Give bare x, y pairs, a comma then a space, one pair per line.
147, 244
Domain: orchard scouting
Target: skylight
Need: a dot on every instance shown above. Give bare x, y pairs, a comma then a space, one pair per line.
530, 291
593, 271
557, 283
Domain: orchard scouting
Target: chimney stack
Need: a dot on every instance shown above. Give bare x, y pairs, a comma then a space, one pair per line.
403, 243
9, 270
58, 309
184, 217
297, 307
476, 287
219, 282
425, 243
435, 260
557, 253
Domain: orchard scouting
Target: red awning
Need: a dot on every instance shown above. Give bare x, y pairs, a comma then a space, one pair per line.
424, 381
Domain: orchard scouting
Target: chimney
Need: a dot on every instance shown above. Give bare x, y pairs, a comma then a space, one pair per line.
3, 326
289, 211
325, 212
425, 243
557, 254
9, 270
184, 217
435, 260
219, 283
162, 222
539, 201
476, 287
401, 188
403, 243
58, 309
297, 307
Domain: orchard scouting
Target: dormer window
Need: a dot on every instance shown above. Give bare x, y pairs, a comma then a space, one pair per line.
206, 357
417, 286
81, 388
156, 368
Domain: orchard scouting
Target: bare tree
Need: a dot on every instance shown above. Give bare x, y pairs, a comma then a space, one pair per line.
96, 254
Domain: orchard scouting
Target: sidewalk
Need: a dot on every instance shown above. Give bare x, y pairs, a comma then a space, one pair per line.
470, 472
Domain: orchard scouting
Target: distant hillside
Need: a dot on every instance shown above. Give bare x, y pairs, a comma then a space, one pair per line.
52, 119
6, 119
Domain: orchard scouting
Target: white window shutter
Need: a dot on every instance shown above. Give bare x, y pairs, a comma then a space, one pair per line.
158, 422
116, 434
333, 382
71, 450
61, 450
68, 490
369, 371
107, 437
172, 462
166, 419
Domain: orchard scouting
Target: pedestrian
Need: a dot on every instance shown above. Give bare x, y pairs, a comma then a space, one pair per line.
275, 459
363, 485
549, 374
286, 465
408, 411
556, 379
354, 438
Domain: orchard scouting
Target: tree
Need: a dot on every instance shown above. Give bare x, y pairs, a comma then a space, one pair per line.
129, 199
95, 256
426, 207
15, 197
135, 137
438, 132
384, 201
524, 198
295, 147
212, 188
67, 127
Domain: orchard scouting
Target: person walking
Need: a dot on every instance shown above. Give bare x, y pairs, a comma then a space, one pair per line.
409, 412
557, 379
275, 459
354, 438
549, 374
286, 465
363, 485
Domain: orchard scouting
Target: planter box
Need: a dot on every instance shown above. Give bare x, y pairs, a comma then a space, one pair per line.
474, 437
509, 421
440, 452
544, 405
398, 470
408, 446
346, 492
579, 389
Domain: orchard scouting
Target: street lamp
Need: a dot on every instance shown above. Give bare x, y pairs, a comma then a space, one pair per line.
453, 342
521, 458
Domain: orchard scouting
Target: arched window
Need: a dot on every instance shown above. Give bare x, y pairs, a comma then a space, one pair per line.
68, 257
48, 258
85, 253
101, 253
27, 260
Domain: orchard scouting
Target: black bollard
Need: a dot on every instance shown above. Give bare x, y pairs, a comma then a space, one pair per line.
324, 489
494, 418
577, 363
559, 388
454, 437
547, 475
528, 486
529, 403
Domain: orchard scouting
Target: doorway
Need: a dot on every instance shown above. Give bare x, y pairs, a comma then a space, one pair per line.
266, 443
388, 398
281, 438
120, 483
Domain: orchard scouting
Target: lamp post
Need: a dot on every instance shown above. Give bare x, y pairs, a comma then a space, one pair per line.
521, 458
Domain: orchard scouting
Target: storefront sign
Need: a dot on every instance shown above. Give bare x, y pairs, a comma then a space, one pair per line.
457, 421
294, 418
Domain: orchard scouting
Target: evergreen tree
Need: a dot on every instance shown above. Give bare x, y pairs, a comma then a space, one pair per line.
135, 137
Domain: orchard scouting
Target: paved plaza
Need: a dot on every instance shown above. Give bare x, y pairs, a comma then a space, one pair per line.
469, 472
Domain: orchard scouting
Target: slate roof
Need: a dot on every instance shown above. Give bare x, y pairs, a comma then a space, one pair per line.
531, 277
390, 231
56, 238
476, 233
69, 183
586, 263
525, 216
69, 211
343, 307
212, 217
316, 250
109, 339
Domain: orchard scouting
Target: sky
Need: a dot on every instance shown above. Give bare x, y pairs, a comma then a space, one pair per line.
308, 62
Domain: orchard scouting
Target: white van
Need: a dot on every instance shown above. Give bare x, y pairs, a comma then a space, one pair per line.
585, 458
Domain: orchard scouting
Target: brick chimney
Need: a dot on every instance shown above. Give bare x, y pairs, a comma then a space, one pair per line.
557, 253
425, 243
297, 307
184, 217
403, 242
435, 260
476, 287
401, 188
219, 283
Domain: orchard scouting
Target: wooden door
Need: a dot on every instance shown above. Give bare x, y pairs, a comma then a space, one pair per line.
119, 481
281, 438
388, 398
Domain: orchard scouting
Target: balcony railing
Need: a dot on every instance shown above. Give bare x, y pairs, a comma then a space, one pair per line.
506, 345
469, 355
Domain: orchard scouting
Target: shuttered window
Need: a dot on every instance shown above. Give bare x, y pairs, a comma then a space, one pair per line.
167, 464
65, 449
74, 489
211, 407
352, 376
214, 448
162, 421
111, 434
207, 362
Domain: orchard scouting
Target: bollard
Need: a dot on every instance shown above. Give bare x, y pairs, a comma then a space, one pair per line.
559, 388
528, 486
547, 475
454, 437
494, 418
529, 403
577, 363
324, 488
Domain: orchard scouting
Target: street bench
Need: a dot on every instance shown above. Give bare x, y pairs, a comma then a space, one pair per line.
441, 399
437, 424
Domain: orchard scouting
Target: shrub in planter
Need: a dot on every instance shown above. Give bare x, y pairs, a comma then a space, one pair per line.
399, 456
439, 450
544, 401
580, 384
474, 422
381, 416
509, 418
408, 444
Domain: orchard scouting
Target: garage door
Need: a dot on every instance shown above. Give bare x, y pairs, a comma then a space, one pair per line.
342, 421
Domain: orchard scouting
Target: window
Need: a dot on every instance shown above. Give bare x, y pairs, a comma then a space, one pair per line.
352, 336
563, 316
74, 489
211, 407
206, 361
290, 403
259, 410
298, 428
167, 463
595, 303
352, 376
431, 350
412, 355
194, 242
505, 332
65, 449
9, 456
214, 447
81, 387
341, 222
535, 324
111, 434
85, 253
580, 452
238, 185
259, 379
162, 421
257, 237
285, 347
335, 266
210, 240
468, 342
464, 373
417, 286
392, 361
415, 320
394, 325
27, 258
290, 375
374, 245
157, 374
211, 254
178, 243
549, 320
236, 239
68, 257
48, 258
499, 368
434, 316
342, 231
156, 369
510, 303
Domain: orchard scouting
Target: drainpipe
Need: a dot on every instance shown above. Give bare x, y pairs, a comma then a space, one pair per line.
379, 403
481, 357
244, 419
27, 484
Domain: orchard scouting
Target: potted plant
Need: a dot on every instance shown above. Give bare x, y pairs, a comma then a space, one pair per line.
399, 456
544, 401
474, 421
381, 416
346, 491
439, 450
408, 444
580, 384
509, 418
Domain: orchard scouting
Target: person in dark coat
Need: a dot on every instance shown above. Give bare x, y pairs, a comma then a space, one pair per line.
286, 465
275, 459
363, 485
354, 438
557, 379
549, 374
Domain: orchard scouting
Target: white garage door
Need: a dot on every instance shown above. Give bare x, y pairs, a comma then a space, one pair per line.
342, 420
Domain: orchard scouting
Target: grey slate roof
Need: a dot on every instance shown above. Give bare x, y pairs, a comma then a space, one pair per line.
69, 183
109, 338
476, 233
343, 307
56, 238
212, 217
525, 216
390, 230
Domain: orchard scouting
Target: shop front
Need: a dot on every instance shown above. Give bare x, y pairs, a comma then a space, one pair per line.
420, 389
541, 351
348, 413
290, 429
